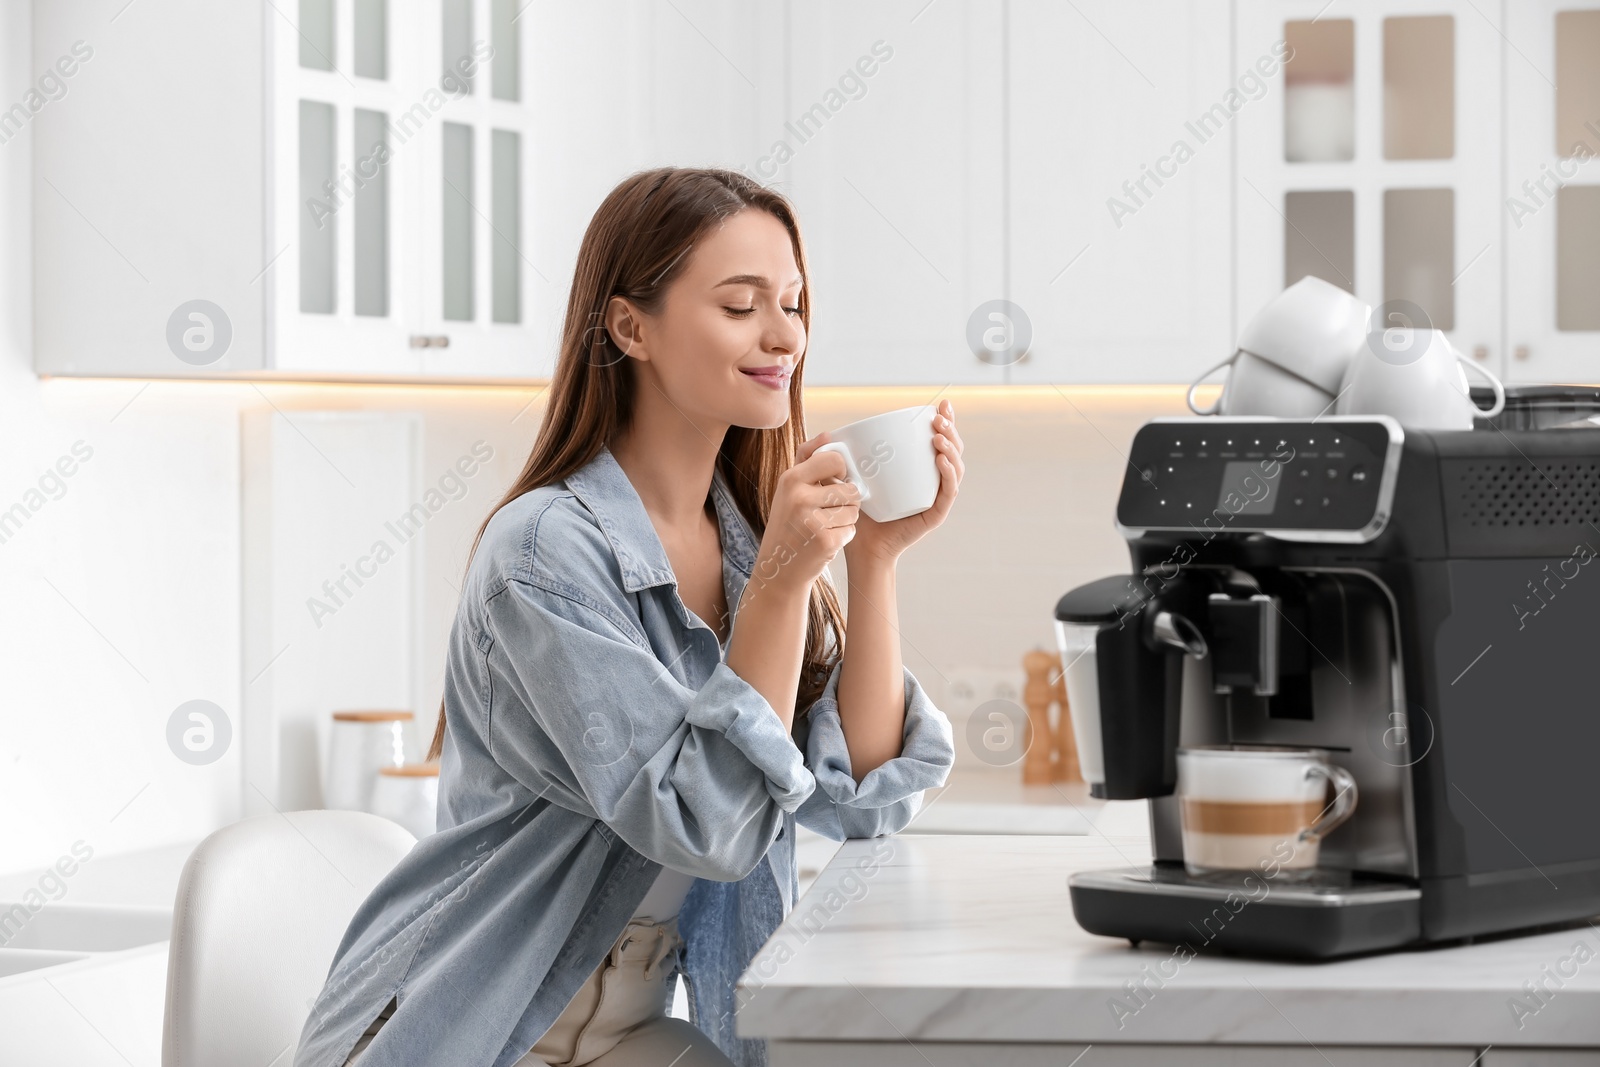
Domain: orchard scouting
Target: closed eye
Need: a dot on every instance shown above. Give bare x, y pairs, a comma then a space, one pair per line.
742, 312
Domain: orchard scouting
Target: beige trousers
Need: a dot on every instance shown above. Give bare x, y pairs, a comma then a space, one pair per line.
617, 1017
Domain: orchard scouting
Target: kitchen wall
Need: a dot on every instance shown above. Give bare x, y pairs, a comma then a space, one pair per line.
119, 574
1034, 519
125, 569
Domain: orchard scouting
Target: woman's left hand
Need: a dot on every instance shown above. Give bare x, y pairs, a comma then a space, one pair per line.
886, 540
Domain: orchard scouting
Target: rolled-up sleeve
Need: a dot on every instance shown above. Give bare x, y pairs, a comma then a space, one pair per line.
887, 797
698, 779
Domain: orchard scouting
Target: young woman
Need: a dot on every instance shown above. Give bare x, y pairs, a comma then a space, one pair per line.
648, 683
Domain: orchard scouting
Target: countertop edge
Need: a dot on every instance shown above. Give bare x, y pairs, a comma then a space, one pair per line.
1470, 995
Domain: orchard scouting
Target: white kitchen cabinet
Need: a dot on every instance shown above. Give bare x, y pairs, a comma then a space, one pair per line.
348, 199
624, 85
1137, 180
342, 206
891, 146
1118, 205
711, 79
350, 116
1373, 161
1551, 219
149, 189
335, 526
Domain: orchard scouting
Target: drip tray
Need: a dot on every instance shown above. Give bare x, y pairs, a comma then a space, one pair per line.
1338, 914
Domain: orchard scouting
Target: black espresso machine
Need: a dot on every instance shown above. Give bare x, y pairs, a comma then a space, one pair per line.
1422, 606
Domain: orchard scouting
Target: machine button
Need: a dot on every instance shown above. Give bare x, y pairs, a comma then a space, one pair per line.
1333, 473
1358, 473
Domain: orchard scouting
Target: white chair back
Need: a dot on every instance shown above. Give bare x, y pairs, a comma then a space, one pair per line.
262, 905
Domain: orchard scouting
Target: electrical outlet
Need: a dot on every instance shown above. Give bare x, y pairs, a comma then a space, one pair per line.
969, 688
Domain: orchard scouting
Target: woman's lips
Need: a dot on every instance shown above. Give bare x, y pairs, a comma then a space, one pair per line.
771, 377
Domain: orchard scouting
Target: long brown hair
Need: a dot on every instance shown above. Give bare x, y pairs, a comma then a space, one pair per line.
635, 246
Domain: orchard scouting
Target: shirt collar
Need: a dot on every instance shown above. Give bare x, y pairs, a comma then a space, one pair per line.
603, 487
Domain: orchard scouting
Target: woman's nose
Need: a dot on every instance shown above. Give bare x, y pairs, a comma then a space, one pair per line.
785, 335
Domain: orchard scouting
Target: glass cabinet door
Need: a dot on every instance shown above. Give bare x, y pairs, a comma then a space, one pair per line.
1551, 216
478, 262
343, 173
401, 178
1372, 161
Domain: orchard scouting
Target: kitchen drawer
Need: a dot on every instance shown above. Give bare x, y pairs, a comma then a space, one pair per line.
977, 1054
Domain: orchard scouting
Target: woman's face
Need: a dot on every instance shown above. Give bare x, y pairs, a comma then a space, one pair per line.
725, 343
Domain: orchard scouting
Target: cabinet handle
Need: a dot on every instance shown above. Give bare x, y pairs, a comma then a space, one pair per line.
1520, 352
1480, 352
422, 340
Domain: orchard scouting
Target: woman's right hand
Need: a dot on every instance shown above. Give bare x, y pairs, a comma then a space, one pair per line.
813, 516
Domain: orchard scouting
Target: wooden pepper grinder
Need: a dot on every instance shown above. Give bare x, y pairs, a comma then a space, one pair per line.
1053, 757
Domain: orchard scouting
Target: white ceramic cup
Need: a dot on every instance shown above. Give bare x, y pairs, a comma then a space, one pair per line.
1416, 376
890, 458
1250, 808
1256, 386
1292, 354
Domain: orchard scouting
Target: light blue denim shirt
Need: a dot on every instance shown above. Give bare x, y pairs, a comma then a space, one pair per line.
595, 734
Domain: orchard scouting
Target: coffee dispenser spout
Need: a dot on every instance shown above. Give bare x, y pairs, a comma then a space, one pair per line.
1176, 631
1246, 635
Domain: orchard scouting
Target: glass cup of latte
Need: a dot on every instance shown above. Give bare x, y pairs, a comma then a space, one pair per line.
1261, 808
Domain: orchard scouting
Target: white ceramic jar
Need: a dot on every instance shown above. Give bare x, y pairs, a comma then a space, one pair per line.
360, 743
408, 795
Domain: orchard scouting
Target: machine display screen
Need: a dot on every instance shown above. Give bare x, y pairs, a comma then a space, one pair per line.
1285, 477
1243, 480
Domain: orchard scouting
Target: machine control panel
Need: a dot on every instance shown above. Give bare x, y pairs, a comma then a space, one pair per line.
1328, 479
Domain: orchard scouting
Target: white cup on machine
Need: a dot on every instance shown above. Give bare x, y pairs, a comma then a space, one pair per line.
1256, 386
1417, 377
890, 458
1292, 355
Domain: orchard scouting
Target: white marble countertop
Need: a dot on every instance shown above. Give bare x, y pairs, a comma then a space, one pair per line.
971, 938
145, 878
106, 1008
994, 801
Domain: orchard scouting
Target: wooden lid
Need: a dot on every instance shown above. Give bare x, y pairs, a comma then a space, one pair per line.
411, 770
372, 716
